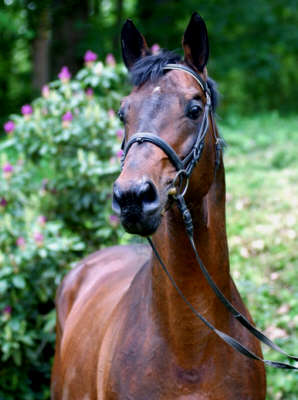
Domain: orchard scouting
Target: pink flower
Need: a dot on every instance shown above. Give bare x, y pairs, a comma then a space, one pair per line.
119, 134
38, 237
9, 126
45, 91
66, 119
119, 154
27, 109
114, 220
64, 75
111, 114
7, 310
110, 60
67, 116
155, 49
7, 167
42, 220
90, 57
21, 242
89, 92
7, 170
3, 202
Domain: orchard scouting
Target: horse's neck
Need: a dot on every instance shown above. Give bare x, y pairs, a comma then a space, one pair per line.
185, 333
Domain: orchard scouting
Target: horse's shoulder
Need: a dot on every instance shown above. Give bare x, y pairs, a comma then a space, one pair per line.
102, 269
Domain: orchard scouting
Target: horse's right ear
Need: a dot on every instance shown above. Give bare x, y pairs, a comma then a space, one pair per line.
195, 43
133, 44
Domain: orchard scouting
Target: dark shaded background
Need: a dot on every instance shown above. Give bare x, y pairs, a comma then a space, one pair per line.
254, 45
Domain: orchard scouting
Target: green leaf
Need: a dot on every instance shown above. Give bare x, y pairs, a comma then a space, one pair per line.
17, 357
3, 286
19, 282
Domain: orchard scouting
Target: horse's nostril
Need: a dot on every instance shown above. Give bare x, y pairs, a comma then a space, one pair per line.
148, 197
147, 193
138, 198
116, 200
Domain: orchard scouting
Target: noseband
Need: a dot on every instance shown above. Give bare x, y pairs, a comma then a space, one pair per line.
184, 169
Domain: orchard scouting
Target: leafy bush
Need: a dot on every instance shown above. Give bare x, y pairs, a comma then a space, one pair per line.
61, 156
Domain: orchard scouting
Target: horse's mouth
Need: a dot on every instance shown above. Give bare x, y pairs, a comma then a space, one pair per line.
138, 223
142, 206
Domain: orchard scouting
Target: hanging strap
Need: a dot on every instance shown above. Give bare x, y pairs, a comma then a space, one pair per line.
240, 317
226, 338
187, 219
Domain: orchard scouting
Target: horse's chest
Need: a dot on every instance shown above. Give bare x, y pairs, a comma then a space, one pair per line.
152, 373
149, 371
151, 384
147, 363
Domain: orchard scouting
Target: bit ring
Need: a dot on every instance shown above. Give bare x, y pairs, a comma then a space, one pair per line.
182, 185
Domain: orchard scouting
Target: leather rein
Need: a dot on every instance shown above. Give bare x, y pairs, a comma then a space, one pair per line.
184, 169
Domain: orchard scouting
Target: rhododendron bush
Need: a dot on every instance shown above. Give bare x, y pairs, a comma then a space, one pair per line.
58, 160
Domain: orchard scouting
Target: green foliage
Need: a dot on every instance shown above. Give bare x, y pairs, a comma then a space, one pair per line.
55, 205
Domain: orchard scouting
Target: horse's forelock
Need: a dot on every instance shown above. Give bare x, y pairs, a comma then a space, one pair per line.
150, 68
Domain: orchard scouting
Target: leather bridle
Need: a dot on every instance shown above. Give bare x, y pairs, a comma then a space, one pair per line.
189, 161
184, 170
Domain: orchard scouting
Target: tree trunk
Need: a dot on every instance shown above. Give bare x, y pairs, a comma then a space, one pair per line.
118, 24
40, 48
70, 21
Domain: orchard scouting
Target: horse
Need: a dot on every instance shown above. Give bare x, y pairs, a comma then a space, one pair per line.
123, 329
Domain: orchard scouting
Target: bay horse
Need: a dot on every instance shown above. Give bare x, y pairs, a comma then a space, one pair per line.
123, 330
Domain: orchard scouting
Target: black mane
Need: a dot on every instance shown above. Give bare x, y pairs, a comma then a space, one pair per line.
150, 68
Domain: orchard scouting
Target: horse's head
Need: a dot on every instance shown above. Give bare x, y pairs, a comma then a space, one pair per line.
171, 105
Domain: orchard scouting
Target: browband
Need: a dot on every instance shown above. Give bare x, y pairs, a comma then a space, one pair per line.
190, 71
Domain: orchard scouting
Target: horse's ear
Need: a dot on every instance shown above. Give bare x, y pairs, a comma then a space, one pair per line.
133, 44
195, 43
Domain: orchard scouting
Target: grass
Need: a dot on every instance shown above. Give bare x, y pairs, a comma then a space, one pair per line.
262, 218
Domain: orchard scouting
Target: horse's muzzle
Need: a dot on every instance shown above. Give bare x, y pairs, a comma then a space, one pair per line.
139, 207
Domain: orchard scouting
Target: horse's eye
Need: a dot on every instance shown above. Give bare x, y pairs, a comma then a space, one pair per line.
121, 115
194, 111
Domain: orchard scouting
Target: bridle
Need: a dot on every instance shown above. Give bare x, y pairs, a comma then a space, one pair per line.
189, 161
184, 168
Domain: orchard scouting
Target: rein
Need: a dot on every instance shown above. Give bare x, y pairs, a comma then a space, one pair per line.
184, 169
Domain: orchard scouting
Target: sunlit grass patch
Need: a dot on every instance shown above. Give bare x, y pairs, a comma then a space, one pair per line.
262, 219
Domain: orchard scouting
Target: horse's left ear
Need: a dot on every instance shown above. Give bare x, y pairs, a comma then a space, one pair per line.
133, 44
195, 43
